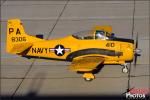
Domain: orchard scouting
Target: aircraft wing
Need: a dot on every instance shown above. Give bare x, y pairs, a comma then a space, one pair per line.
86, 63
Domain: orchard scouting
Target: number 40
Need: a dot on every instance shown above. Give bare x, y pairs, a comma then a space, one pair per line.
110, 44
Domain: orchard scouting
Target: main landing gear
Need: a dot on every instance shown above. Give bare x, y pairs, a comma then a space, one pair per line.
88, 76
125, 68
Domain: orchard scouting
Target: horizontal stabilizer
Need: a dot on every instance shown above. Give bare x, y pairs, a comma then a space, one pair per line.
18, 48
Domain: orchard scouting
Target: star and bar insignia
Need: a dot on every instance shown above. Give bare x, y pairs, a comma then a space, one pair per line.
60, 50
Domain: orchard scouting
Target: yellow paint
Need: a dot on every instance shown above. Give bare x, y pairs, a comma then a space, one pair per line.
86, 64
15, 32
88, 75
43, 48
105, 28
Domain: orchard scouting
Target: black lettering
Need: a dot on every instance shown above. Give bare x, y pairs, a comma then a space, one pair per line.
18, 39
46, 50
110, 45
33, 50
11, 30
107, 45
40, 50
18, 31
13, 39
24, 39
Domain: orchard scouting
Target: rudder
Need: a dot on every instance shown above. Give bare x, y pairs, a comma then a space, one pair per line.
17, 37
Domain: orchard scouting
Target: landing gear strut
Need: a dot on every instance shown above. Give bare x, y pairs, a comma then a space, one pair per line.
125, 68
88, 76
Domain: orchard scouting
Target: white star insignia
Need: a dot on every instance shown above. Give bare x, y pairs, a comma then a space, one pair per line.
59, 50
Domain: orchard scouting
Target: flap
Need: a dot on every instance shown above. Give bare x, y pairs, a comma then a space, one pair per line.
86, 63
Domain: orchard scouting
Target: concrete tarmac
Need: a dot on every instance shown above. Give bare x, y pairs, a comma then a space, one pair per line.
55, 19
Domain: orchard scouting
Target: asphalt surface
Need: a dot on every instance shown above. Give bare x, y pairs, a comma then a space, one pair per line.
54, 19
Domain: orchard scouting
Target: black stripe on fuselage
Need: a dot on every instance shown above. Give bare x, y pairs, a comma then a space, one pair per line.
122, 40
93, 51
81, 53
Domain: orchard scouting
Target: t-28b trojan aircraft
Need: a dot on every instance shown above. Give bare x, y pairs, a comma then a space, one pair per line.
86, 50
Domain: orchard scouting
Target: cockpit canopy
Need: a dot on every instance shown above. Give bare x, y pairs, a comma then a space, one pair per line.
90, 34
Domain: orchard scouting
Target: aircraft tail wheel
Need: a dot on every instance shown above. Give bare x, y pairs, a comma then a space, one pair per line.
88, 76
125, 70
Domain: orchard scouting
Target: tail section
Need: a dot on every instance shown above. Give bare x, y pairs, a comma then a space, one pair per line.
17, 40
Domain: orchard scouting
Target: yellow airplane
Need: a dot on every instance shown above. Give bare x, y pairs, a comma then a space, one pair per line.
86, 49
